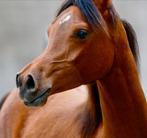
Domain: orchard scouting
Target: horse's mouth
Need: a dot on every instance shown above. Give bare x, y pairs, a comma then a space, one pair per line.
38, 100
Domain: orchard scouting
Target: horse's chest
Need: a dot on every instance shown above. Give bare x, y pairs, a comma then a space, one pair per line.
55, 131
55, 119
65, 123
53, 125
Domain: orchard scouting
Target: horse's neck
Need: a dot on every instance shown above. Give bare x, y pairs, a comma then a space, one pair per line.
122, 100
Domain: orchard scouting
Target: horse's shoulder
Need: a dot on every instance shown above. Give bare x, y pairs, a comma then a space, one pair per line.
12, 115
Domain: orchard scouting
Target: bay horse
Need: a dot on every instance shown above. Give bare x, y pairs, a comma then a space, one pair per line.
84, 85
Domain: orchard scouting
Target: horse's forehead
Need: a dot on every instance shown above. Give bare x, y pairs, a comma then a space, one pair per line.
70, 14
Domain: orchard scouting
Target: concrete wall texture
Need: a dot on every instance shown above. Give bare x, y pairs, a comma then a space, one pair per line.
22, 30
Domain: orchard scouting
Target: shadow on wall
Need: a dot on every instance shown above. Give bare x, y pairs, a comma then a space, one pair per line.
23, 25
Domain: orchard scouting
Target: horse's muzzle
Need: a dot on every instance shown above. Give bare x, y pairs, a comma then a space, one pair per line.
38, 100
29, 91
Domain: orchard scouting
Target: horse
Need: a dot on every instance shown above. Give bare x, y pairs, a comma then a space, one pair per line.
86, 82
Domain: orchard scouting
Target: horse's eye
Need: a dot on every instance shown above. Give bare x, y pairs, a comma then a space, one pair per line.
81, 34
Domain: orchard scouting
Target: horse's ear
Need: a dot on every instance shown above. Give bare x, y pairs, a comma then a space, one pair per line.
102, 5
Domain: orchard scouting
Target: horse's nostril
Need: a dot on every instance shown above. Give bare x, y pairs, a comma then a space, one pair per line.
30, 83
18, 81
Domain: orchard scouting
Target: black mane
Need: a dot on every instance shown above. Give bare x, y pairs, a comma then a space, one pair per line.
88, 9
132, 39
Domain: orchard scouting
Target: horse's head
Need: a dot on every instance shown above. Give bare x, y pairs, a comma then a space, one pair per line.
80, 50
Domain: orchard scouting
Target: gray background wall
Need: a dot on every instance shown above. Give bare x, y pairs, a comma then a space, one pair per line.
23, 24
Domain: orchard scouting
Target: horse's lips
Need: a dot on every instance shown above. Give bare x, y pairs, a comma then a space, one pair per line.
39, 99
